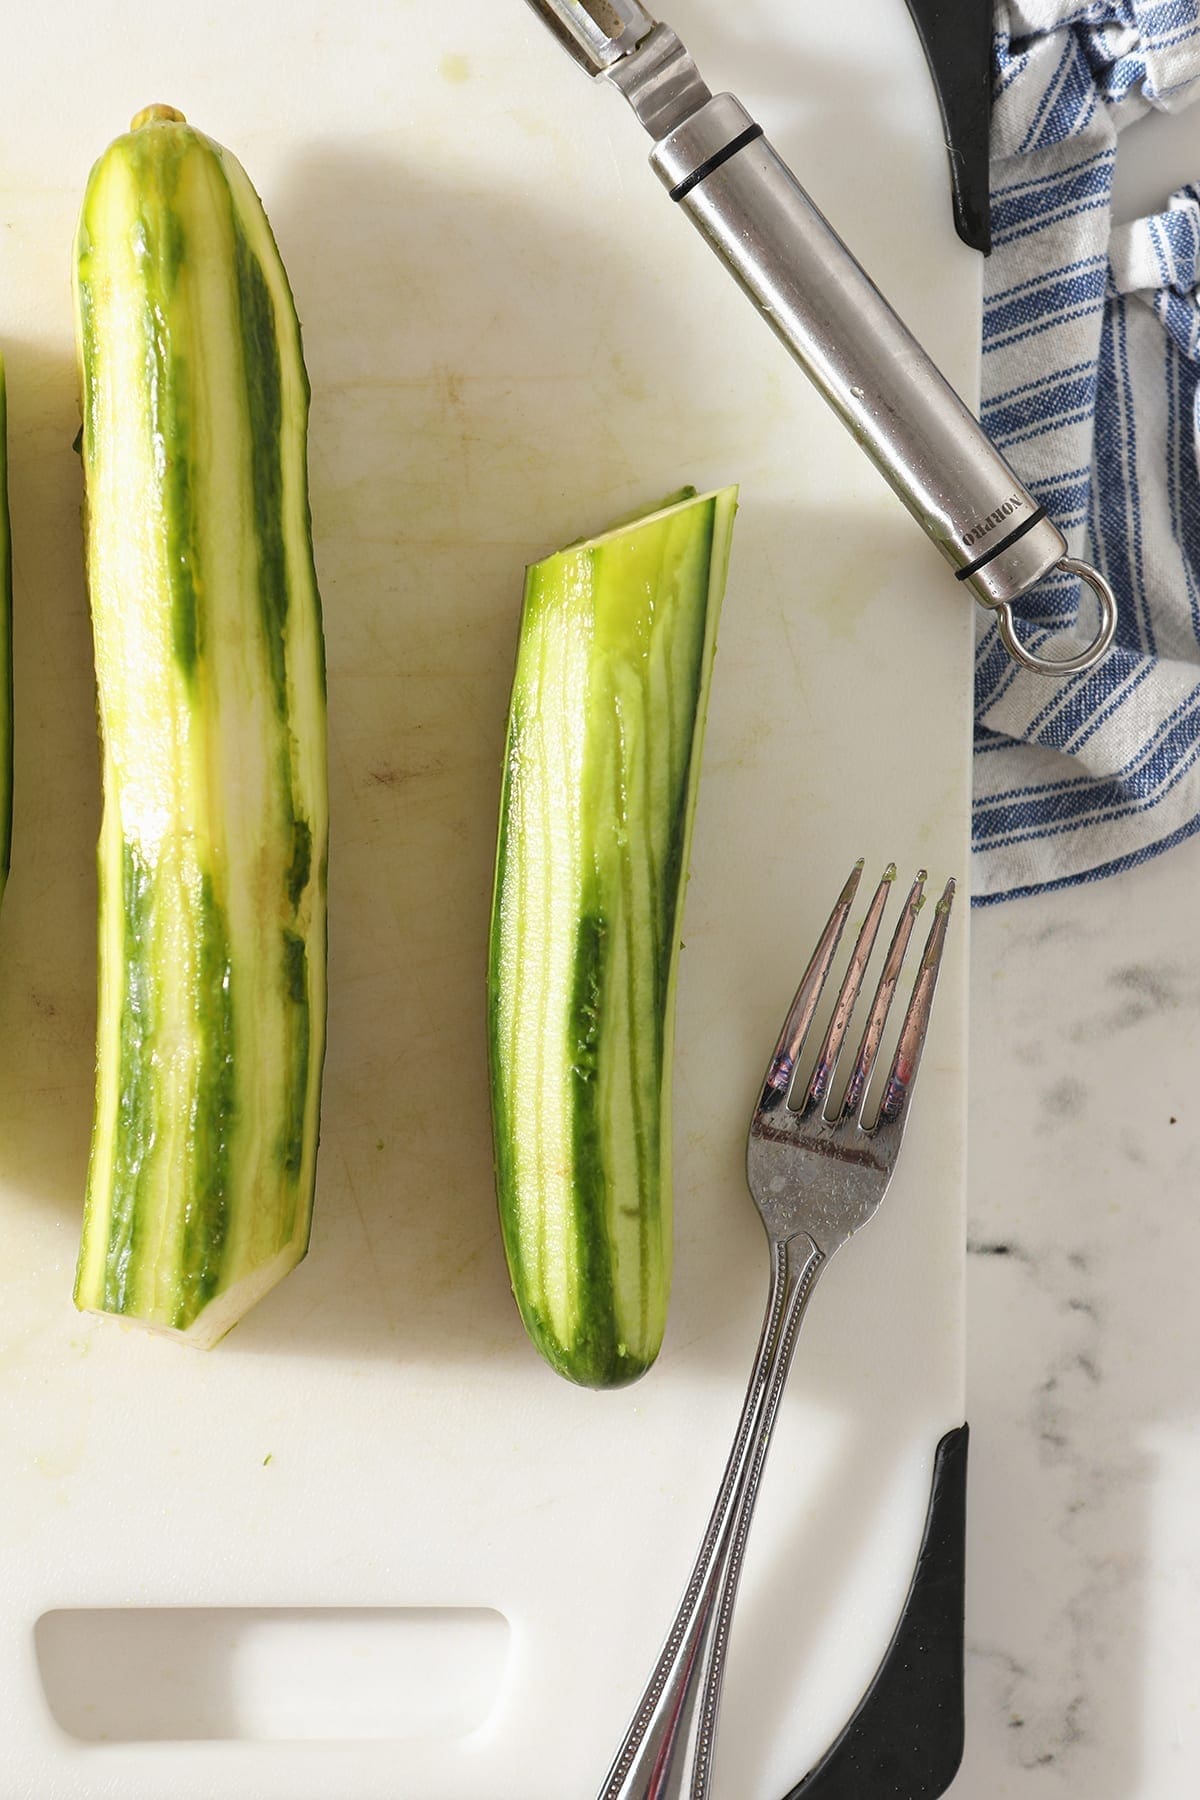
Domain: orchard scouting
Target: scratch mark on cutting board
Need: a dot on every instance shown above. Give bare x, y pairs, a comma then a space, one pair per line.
391, 775
380, 1284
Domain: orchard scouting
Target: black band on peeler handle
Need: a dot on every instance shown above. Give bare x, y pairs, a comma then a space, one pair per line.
981, 562
714, 162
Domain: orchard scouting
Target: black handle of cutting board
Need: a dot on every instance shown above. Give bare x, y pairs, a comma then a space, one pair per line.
957, 38
905, 1741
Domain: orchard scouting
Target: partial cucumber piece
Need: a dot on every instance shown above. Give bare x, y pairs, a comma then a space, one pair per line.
211, 679
603, 760
6, 674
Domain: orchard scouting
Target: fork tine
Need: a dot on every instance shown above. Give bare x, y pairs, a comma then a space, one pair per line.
843, 1010
907, 1059
800, 1015
881, 1006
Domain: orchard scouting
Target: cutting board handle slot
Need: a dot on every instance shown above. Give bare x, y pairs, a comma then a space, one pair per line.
138, 1674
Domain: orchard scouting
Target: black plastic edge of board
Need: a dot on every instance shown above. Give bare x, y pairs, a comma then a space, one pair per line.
957, 39
905, 1741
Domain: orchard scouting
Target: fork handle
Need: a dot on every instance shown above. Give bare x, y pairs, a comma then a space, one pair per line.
667, 1751
713, 1675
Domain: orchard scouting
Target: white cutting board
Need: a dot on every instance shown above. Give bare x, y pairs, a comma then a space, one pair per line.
512, 338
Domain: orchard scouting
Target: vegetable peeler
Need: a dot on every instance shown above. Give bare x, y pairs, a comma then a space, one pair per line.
718, 166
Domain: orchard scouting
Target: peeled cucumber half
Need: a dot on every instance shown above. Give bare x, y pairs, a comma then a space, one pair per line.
600, 778
211, 688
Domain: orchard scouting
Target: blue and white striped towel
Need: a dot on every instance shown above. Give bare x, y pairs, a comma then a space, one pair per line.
1091, 360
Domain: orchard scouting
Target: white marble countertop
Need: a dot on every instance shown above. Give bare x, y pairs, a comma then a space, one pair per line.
1083, 1612
1083, 1382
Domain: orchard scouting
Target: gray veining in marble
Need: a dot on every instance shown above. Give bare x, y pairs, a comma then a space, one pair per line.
1084, 1343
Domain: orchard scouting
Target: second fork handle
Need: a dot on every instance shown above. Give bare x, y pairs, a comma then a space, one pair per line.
667, 1751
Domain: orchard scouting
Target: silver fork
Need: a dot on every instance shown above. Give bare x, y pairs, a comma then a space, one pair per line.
817, 1171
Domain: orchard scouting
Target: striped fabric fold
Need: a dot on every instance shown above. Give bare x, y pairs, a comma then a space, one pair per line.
1091, 365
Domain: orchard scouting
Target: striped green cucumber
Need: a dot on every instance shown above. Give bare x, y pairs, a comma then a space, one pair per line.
600, 776
211, 680
6, 677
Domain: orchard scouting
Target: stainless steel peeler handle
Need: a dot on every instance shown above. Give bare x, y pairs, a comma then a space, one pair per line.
720, 169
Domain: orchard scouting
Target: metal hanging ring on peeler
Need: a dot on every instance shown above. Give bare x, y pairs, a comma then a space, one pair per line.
719, 168
1064, 665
